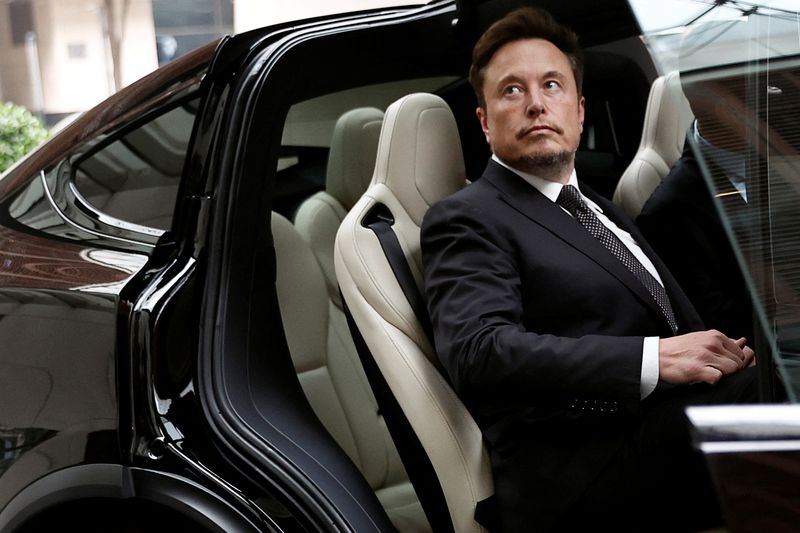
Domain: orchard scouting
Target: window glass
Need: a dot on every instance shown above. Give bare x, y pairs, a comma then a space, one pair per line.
21, 15
135, 178
739, 67
308, 131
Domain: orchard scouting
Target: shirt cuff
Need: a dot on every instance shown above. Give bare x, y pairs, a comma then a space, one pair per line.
649, 366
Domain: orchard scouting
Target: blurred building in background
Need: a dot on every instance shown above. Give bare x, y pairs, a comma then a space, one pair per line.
62, 56
58, 57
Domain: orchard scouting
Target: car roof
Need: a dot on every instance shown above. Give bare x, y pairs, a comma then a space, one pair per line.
594, 22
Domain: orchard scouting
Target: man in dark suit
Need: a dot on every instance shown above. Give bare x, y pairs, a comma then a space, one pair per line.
563, 333
680, 220
681, 223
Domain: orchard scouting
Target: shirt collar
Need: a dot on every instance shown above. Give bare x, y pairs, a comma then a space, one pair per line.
551, 189
732, 163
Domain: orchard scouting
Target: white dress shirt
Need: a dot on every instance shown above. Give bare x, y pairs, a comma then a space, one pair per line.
551, 189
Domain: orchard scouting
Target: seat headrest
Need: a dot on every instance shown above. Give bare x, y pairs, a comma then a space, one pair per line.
351, 160
419, 153
667, 119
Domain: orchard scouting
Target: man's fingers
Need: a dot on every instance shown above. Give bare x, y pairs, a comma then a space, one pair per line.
710, 375
750, 356
727, 365
730, 347
702, 357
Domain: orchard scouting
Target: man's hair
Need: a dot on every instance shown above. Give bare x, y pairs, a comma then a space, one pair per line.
523, 23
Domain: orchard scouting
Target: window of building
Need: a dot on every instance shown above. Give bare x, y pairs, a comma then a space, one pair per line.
183, 25
21, 16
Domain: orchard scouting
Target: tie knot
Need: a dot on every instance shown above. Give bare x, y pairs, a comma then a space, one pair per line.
570, 199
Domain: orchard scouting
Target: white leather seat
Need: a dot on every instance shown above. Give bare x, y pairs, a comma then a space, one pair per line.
351, 161
332, 378
666, 120
419, 162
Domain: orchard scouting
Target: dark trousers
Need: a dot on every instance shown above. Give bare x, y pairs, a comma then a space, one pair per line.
657, 481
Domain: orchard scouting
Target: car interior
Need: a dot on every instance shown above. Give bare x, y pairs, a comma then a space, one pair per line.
390, 151
666, 120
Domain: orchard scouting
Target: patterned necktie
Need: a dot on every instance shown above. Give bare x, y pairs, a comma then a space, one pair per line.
570, 199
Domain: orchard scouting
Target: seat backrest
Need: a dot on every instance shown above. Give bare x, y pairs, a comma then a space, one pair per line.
332, 378
419, 162
351, 161
666, 120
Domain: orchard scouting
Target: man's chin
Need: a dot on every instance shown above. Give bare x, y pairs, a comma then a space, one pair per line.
549, 166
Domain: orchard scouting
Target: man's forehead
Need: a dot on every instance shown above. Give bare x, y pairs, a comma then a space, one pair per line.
530, 53
526, 58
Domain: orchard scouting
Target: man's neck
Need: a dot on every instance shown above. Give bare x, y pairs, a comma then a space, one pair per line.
558, 172
555, 173
549, 188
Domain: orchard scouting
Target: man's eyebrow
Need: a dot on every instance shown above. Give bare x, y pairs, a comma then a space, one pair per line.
512, 77
508, 78
555, 74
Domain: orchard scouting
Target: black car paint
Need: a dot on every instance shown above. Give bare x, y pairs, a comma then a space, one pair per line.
161, 403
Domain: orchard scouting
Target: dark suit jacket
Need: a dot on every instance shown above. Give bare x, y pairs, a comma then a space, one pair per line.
540, 329
681, 223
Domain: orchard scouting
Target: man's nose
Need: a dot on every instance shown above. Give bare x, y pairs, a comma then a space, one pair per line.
535, 104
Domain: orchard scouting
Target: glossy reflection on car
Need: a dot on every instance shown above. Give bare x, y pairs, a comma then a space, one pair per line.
175, 349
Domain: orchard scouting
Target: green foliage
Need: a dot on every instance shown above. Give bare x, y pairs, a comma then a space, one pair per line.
20, 132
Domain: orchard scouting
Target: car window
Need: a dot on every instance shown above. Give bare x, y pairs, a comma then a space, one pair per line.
308, 131
134, 178
743, 61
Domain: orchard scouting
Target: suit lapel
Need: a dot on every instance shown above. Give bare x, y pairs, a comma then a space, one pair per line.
685, 313
527, 200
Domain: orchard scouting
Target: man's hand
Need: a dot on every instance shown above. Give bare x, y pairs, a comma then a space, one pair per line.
742, 343
701, 356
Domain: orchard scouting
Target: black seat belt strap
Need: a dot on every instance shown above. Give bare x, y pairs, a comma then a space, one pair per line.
399, 264
424, 478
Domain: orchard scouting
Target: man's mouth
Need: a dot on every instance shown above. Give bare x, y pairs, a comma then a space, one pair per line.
538, 128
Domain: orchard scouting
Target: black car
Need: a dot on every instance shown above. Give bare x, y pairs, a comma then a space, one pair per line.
176, 351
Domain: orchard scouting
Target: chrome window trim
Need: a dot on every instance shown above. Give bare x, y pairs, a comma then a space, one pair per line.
80, 227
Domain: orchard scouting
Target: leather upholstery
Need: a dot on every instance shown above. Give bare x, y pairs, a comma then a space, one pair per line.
351, 161
332, 378
419, 162
666, 120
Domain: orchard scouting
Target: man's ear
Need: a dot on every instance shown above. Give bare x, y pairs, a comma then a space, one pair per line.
481, 112
581, 110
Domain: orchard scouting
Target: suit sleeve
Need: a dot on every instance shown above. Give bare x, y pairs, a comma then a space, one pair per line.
474, 293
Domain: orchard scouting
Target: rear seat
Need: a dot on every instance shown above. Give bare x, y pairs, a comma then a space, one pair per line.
666, 120
351, 161
419, 162
330, 373
322, 349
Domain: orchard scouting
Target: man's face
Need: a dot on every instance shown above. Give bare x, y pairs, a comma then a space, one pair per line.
533, 117
721, 115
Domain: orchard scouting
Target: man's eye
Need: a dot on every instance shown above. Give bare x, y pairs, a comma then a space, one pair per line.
512, 90
552, 85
